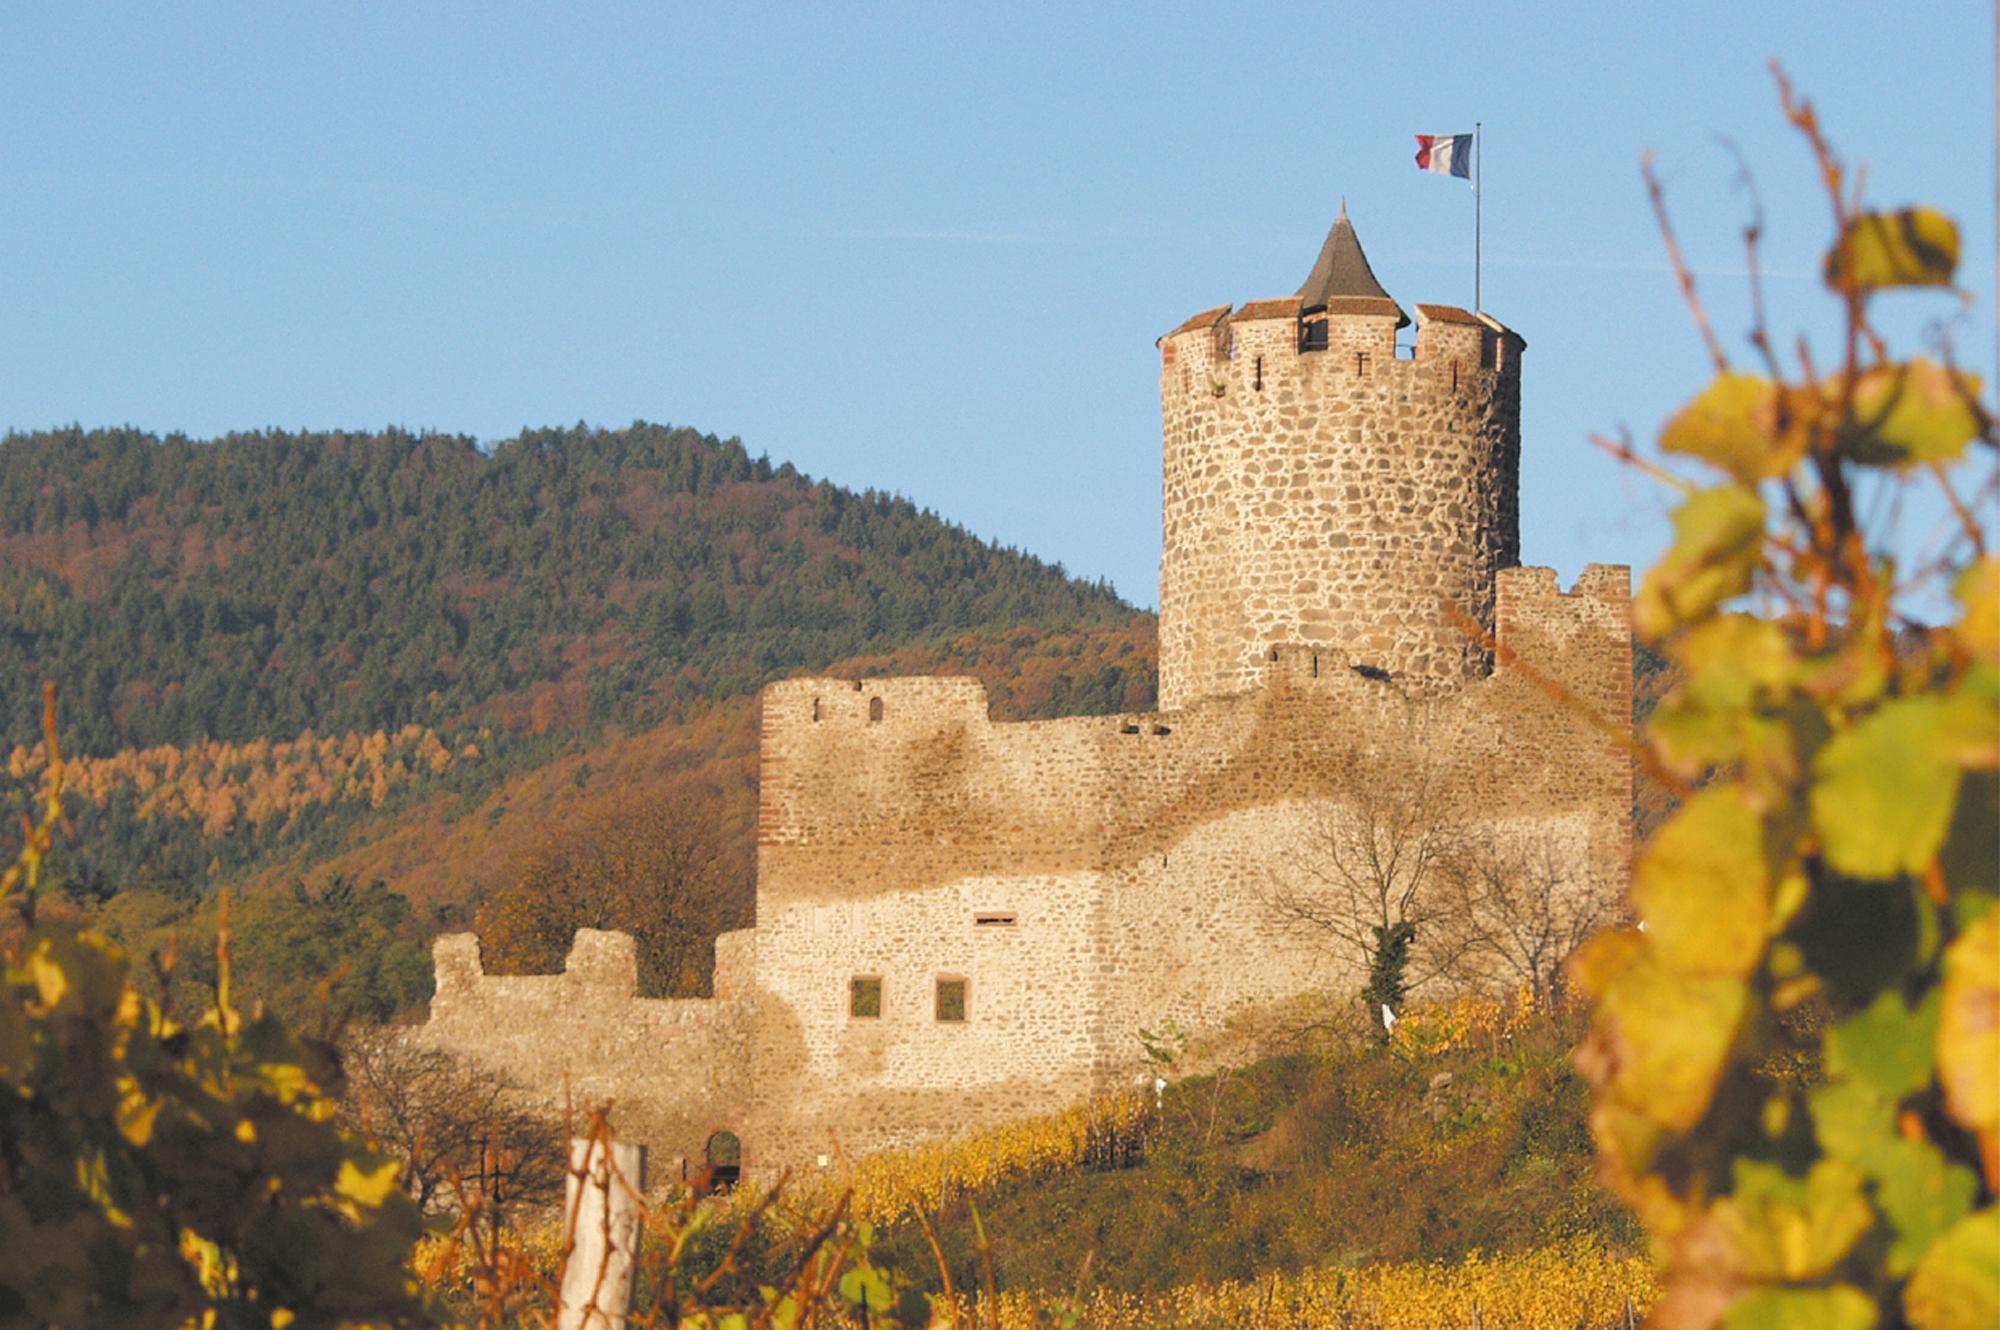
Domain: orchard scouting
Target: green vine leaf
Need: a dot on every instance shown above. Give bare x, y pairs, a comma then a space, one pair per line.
1841, 1307
1920, 1194
1790, 1230
1888, 1045
1883, 791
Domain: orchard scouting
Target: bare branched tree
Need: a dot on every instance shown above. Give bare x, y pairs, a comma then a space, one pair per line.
446, 1118
1372, 874
1521, 907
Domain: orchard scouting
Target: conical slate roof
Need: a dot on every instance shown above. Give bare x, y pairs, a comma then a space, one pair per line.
1341, 280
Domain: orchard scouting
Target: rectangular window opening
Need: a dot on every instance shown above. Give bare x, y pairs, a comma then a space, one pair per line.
950, 999
993, 919
864, 996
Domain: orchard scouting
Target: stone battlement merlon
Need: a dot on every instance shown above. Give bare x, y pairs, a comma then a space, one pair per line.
1580, 638
1247, 347
1532, 584
603, 962
896, 702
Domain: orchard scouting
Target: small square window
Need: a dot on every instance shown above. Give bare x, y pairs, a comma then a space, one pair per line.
951, 999
864, 996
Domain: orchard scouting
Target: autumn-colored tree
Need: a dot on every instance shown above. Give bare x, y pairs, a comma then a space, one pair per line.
655, 865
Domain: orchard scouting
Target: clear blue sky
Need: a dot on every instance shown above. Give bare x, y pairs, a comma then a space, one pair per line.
920, 247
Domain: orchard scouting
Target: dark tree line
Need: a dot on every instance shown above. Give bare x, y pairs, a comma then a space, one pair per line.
263, 584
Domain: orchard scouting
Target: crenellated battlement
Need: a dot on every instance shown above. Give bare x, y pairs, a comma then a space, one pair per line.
1252, 349
898, 704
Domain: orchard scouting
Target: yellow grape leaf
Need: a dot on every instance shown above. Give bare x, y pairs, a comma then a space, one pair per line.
1718, 537
1838, 1307
1788, 1229
137, 1111
1969, 724
1603, 957
1734, 425
1703, 886
366, 1187
1733, 657
1957, 1284
1908, 414
1883, 791
1909, 247
1979, 591
1666, 1037
1968, 1039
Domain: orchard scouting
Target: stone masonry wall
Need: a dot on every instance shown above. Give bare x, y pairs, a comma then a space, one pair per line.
1136, 855
1335, 498
673, 1070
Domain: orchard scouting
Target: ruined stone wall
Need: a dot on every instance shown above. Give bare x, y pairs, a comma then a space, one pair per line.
1336, 498
674, 1070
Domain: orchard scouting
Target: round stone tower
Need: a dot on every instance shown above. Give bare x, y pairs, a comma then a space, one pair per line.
1322, 490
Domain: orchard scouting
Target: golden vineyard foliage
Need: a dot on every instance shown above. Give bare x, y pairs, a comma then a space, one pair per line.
1828, 885
897, 1184
1572, 1286
1473, 1020
220, 785
168, 1170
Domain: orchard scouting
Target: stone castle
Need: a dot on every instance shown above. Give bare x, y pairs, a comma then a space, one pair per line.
961, 922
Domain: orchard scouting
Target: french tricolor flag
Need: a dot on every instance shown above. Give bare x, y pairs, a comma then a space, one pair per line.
1446, 154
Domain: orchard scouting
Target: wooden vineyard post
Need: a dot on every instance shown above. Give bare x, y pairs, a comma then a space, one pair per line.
601, 1232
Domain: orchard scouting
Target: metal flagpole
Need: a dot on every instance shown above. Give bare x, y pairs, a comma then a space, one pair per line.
1478, 198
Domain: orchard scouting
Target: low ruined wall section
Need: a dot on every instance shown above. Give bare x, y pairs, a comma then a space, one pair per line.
674, 1071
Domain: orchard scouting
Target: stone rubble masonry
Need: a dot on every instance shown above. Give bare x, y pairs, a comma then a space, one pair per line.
1337, 497
1089, 877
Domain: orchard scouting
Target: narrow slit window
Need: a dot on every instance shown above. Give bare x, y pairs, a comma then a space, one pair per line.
993, 919
1260, 374
1360, 362
950, 1000
815, 710
864, 996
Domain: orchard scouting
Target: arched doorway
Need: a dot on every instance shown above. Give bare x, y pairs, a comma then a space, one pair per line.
725, 1160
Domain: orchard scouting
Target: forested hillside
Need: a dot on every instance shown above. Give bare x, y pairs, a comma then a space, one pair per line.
310, 664
265, 585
